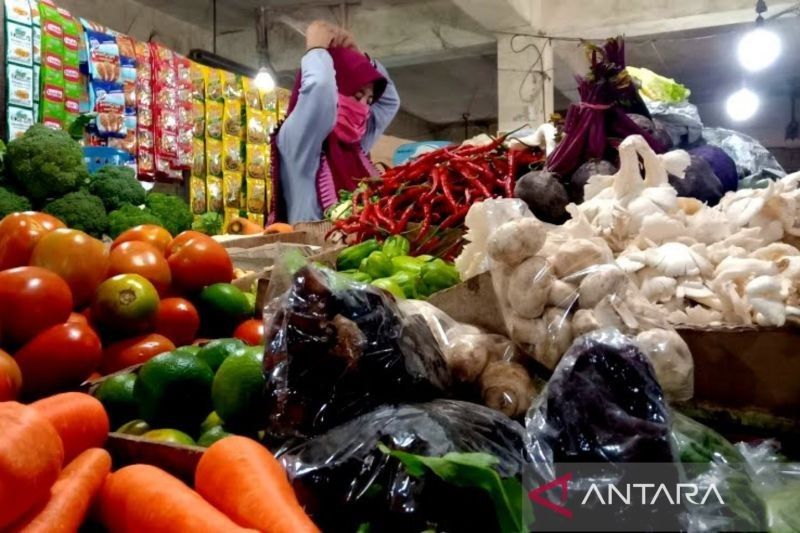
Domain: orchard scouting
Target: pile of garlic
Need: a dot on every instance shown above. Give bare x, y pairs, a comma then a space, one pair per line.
553, 286
734, 263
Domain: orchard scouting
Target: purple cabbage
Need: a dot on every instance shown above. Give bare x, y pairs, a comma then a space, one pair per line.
698, 182
721, 163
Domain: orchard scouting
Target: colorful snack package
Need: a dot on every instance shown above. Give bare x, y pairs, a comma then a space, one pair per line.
197, 195
109, 104
185, 113
257, 127
213, 80
198, 119
282, 97
103, 57
19, 120
19, 11
33, 5
214, 190
71, 66
198, 75
214, 157
52, 106
20, 86
214, 111
37, 45
198, 158
257, 161
144, 112
37, 80
233, 118
252, 96
232, 154
165, 112
19, 44
232, 189
256, 197
231, 85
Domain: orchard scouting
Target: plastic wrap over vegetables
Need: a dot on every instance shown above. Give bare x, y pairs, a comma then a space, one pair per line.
754, 162
337, 349
553, 287
680, 120
412, 468
486, 368
602, 406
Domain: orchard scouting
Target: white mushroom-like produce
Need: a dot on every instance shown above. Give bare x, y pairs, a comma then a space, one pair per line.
559, 338
577, 255
675, 259
606, 280
526, 332
671, 360
584, 321
529, 287
516, 241
467, 357
507, 387
659, 288
562, 294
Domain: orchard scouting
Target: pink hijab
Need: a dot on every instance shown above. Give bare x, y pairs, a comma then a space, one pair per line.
342, 165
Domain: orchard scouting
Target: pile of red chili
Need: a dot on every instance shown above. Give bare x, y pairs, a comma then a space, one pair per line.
432, 193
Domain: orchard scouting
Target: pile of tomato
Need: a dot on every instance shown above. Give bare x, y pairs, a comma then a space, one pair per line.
71, 306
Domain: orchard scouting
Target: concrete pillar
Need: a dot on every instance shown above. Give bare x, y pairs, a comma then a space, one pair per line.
524, 80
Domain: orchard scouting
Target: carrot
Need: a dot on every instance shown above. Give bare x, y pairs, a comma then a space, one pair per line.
278, 227
71, 496
242, 226
31, 455
145, 498
245, 481
79, 418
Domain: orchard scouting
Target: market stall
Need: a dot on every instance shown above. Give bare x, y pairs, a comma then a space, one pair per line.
459, 333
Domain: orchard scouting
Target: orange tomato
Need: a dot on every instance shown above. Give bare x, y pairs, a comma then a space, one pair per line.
19, 233
198, 262
59, 358
10, 378
250, 331
80, 260
181, 239
149, 233
133, 351
137, 257
178, 320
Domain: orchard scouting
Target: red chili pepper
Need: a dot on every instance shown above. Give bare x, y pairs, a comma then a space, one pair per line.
385, 220
454, 218
448, 190
404, 218
426, 222
508, 180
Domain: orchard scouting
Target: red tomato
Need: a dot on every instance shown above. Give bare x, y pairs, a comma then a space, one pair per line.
134, 351
125, 303
10, 378
136, 257
181, 239
198, 262
78, 318
80, 260
178, 320
149, 233
250, 331
31, 299
59, 358
19, 233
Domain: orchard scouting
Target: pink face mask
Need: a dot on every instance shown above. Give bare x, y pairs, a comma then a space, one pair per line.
351, 120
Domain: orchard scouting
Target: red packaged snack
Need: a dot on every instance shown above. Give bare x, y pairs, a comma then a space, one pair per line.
145, 154
184, 114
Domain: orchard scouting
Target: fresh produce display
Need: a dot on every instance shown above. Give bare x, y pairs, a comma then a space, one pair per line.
430, 195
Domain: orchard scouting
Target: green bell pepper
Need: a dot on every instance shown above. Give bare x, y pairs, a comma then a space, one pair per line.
357, 276
436, 276
377, 265
425, 258
406, 281
390, 286
404, 263
351, 257
395, 246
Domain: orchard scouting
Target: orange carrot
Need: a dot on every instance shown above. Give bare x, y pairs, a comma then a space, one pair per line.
31, 455
242, 226
278, 227
245, 481
145, 498
71, 496
79, 418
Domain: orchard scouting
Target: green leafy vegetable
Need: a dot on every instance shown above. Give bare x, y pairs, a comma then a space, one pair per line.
10, 202
174, 212
474, 470
116, 186
208, 223
659, 88
129, 216
80, 210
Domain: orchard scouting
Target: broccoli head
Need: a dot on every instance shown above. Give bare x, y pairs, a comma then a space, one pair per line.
80, 210
116, 186
46, 163
10, 202
173, 211
129, 216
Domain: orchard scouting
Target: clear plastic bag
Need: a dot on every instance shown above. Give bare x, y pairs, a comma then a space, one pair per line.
345, 480
681, 120
552, 289
777, 482
337, 349
485, 367
754, 163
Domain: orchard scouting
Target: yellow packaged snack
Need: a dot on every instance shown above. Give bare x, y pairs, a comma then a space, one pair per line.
256, 196
252, 96
213, 85
214, 120
198, 76
257, 127
214, 157
233, 118
198, 158
282, 96
198, 119
197, 195
231, 86
232, 189
214, 190
257, 161
232, 154
255, 217
269, 101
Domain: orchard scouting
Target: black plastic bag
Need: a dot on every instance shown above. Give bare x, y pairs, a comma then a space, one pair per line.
344, 480
337, 349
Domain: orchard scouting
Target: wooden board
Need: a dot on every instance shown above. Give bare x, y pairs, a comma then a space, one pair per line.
179, 460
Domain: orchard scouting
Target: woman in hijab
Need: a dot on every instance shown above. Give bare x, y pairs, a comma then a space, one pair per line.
341, 103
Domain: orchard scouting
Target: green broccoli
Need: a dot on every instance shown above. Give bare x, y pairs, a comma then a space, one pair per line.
10, 202
208, 223
80, 210
2, 157
129, 216
173, 211
116, 186
46, 163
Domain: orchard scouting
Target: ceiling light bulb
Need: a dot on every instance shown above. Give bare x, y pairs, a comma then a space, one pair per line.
758, 49
742, 105
264, 80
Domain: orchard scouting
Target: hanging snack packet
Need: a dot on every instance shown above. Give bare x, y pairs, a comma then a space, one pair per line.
214, 157
183, 160
19, 44
198, 158
256, 199
231, 192
19, 11
165, 111
198, 75
213, 80
257, 126
145, 156
257, 161
231, 154
52, 70
231, 85
71, 66
233, 118
20, 86
19, 120
109, 104
197, 195
252, 96
214, 111
214, 190
198, 119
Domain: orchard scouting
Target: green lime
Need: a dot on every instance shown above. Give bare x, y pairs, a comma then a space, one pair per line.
238, 390
222, 307
174, 390
212, 420
215, 352
190, 349
211, 436
169, 435
134, 427
116, 395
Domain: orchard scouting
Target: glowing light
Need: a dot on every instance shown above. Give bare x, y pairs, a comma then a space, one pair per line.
759, 49
264, 80
742, 105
